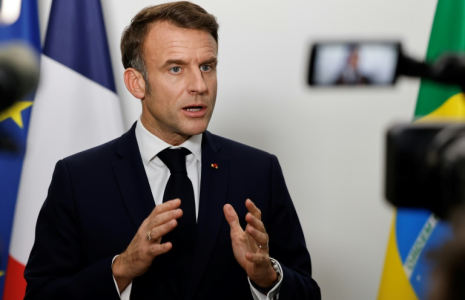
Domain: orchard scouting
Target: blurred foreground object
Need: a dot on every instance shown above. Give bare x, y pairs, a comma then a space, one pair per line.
19, 73
9, 11
354, 63
425, 167
377, 63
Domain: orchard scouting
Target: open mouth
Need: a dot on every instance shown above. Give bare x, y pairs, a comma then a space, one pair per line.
193, 108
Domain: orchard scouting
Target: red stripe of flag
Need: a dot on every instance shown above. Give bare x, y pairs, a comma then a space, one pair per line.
15, 284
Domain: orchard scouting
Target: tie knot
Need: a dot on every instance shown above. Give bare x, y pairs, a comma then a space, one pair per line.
174, 159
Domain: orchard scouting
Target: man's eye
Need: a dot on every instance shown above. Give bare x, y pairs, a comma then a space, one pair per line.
205, 68
175, 69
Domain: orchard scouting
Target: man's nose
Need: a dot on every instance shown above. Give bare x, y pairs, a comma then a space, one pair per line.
196, 82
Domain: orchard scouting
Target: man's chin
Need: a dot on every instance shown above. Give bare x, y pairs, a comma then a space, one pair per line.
195, 132
195, 129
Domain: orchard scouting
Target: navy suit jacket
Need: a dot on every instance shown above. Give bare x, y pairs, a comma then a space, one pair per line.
98, 199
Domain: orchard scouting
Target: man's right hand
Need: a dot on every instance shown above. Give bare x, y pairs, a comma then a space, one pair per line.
140, 253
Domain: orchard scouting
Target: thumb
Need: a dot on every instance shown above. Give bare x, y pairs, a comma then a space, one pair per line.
232, 218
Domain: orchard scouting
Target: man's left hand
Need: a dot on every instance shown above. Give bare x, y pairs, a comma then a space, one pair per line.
251, 246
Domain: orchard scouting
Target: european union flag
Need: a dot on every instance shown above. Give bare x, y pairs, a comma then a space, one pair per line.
14, 124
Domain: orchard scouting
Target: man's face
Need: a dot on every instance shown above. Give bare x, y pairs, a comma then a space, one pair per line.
181, 65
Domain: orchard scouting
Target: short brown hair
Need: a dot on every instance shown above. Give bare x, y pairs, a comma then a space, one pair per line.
182, 14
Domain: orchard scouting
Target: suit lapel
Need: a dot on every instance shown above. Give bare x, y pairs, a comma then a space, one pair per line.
213, 196
132, 179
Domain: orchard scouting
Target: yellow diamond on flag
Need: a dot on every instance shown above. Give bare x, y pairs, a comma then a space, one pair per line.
452, 110
14, 112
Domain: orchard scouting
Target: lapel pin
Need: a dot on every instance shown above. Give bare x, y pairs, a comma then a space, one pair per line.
215, 166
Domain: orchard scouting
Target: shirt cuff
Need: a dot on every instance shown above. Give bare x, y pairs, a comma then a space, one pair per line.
274, 292
127, 291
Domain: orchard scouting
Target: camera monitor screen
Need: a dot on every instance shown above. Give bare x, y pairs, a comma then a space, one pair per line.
354, 63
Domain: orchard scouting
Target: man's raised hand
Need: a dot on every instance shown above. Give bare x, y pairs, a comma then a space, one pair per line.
138, 257
250, 246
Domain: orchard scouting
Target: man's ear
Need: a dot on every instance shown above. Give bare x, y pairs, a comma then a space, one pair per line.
135, 83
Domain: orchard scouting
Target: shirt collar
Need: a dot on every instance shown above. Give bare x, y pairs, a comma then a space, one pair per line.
150, 145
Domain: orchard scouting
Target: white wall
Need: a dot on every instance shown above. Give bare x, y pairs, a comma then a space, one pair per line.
330, 143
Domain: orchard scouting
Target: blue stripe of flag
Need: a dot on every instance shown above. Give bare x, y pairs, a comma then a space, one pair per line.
76, 38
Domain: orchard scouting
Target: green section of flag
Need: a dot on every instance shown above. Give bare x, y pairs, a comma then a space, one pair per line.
447, 35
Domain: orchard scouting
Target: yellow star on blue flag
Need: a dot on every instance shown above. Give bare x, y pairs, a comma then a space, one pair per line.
14, 112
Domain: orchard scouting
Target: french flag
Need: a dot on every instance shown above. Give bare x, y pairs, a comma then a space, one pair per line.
75, 108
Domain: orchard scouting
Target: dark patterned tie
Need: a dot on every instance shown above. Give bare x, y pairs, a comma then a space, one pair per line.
178, 261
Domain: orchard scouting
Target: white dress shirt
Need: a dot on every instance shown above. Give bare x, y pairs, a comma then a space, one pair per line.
158, 175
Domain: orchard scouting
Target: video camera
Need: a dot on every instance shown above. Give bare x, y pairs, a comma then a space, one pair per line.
425, 163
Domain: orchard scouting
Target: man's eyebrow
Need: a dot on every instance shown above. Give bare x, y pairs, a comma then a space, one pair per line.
180, 62
211, 61
174, 62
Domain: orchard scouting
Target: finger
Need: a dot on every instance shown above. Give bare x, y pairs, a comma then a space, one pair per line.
157, 249
260, 259
165, 217
260, 238
159, 231
165, 206
232, 218
253, 209
254, 222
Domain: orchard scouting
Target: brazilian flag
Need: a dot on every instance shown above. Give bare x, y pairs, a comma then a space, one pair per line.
407, 269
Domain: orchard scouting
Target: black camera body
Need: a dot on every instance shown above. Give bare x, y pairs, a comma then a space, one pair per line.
425, 166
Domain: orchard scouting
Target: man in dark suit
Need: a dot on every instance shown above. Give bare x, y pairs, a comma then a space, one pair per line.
99, 236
